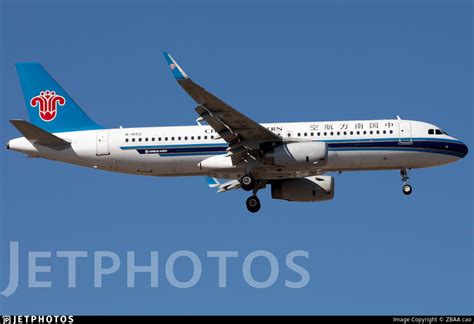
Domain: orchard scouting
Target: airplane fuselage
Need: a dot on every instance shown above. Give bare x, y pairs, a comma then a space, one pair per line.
179, 150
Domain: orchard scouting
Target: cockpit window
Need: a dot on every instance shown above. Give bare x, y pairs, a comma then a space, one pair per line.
436, 131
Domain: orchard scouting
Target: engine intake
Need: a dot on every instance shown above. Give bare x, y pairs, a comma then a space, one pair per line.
317, 188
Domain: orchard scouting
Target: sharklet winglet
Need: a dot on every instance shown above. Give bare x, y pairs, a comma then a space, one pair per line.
177, 71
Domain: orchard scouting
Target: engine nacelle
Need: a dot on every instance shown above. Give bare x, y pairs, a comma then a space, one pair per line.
299, 154
315, 188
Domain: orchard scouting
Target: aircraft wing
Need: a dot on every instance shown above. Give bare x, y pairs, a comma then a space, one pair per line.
238, 130
222, 187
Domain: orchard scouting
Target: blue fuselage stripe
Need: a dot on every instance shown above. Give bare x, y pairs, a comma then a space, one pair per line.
428, 145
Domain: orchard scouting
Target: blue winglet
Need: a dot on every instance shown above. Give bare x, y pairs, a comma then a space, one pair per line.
178, 72
212, 182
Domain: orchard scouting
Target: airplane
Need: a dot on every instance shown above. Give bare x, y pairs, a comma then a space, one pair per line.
293, 158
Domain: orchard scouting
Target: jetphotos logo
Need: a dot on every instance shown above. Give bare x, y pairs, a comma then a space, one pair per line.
288, 270
48, 102
40, 319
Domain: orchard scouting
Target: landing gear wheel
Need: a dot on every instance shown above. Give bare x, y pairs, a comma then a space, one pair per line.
253, 204
407, 189
247, 182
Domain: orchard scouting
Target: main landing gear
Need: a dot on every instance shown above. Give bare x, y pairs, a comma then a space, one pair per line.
253, 204
247, 182
407, 190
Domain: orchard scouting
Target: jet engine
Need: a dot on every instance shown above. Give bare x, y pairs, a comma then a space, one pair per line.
299, 154
315, 188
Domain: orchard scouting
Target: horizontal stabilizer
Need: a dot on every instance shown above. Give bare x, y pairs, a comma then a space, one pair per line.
39, 136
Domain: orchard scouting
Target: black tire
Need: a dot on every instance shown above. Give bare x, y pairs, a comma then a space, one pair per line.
253, 204
407, 190
247, 182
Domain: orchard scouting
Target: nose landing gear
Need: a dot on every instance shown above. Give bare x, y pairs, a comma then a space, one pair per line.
407, 190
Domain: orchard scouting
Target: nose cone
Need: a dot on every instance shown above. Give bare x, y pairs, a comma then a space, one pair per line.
8, 145
464, 150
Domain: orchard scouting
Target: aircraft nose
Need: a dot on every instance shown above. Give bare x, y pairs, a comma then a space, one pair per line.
464, 150
8, 145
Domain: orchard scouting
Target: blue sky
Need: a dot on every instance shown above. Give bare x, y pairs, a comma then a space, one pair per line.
372, 250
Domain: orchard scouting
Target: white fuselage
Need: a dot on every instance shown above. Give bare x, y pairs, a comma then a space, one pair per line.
178, 151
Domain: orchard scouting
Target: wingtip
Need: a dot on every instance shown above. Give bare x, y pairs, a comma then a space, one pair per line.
212, 182
177, 71
166, 55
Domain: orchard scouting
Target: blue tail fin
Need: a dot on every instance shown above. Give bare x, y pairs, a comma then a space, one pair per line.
48, 104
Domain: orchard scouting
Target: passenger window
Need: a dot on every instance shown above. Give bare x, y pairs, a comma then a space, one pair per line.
212, 136
289, 134
358, 132
438, 132
332, 133
205, 137
385, 132
166, 138
159, 139
126, 140
378, 132
371, 132
431, 131
391, 131
179, 138
325, 133
199, 137
140, 139
192, 138
185, 138
365, 132
299, 134
319, 133
152, 139
312, 134
133, 140
352, 133
345, 133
